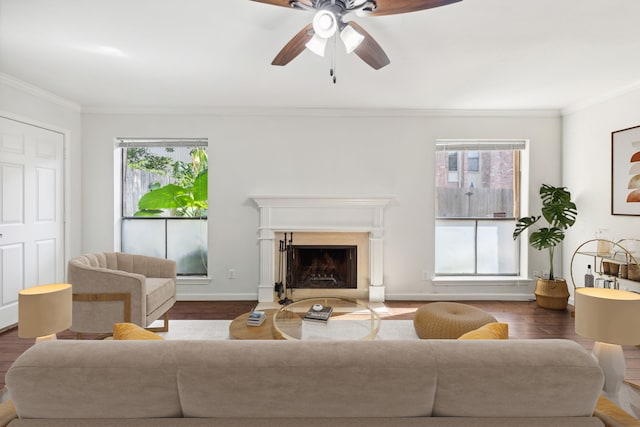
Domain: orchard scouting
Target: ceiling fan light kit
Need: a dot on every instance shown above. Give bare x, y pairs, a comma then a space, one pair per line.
329, 20
317, 45
351, 38
325, 23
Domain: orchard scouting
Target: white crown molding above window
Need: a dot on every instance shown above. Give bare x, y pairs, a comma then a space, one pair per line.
317, 112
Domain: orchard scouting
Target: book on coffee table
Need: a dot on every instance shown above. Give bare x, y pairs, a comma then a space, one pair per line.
256, 318
321, 316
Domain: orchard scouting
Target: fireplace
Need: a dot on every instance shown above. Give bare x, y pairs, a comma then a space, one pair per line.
324, 267
335, 221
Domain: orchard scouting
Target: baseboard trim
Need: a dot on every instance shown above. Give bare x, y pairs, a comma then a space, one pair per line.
461, 297
217, 297
388, 296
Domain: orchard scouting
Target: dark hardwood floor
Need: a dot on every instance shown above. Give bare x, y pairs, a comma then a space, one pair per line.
525, 319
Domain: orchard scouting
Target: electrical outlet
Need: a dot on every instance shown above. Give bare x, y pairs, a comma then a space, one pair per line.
232, 273
425, 275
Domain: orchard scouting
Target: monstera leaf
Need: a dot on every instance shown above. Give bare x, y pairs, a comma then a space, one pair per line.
557, 207
545, 238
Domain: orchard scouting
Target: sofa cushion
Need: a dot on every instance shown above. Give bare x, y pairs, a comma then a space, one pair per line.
318, 378
515, 378
159, 291
95, 379
490, 331
131, 331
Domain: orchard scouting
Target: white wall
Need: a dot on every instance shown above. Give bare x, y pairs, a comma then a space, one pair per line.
587, 171
321, 153
30, 104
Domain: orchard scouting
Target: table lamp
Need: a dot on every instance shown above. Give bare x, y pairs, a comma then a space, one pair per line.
44, 311
611, 317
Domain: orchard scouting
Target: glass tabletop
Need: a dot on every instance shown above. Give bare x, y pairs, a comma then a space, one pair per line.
348, 320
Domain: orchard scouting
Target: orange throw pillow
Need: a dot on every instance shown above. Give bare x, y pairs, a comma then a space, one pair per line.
490, 331
131, 331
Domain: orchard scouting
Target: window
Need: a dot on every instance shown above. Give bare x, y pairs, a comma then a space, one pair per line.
165, 200
476, 213
453, 162
473, 159
452, 167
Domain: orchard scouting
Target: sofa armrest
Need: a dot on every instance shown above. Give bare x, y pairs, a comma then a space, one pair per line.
7, 413
95, 280
612, 415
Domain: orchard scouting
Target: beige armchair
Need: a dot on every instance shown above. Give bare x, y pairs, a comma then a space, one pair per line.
112, 287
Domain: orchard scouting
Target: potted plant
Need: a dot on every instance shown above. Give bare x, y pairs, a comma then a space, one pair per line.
560, 213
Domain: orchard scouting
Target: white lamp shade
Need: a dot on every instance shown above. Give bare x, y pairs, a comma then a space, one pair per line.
608, 315
351, 38
317, 45
44, 310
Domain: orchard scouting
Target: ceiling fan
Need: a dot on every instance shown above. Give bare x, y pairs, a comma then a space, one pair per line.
328, 21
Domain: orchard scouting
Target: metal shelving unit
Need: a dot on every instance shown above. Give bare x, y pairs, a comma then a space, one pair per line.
618, 254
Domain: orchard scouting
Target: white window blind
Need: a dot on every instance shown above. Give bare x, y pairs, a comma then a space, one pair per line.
480, 144
161, 142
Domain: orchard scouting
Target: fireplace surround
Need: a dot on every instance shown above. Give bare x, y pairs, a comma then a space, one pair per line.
323, 217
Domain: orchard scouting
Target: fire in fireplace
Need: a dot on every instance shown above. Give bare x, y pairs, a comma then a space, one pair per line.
324, 266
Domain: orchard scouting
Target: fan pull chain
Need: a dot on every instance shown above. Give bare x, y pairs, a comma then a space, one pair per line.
332, 71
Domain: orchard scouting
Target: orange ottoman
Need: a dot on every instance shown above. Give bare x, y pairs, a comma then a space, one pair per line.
448, 320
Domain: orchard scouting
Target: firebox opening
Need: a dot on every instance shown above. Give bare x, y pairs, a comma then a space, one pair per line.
324, 266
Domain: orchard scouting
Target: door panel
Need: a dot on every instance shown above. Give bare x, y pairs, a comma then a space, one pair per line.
31, 211
12, 278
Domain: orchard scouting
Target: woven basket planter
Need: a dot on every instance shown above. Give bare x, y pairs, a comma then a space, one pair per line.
634, 272
552, 294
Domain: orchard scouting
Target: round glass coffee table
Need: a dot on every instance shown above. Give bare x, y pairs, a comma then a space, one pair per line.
349, 320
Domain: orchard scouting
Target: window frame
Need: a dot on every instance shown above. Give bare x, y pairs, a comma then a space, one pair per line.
122, 144
520, 187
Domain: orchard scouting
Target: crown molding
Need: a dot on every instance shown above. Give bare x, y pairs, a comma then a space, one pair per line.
321, 112
574, 108
39, 92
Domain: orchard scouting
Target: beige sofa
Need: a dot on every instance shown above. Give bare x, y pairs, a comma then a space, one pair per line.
112, 287
292, 383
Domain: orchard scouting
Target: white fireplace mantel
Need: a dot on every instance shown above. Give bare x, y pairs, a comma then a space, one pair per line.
320, 214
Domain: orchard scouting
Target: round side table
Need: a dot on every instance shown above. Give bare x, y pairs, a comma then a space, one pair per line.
239, 330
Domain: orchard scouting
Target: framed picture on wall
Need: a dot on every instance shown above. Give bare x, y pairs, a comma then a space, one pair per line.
625, 171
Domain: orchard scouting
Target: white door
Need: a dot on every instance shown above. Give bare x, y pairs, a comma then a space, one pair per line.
31, 212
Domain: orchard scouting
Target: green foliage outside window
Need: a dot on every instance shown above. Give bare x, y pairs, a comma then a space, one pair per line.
187, 196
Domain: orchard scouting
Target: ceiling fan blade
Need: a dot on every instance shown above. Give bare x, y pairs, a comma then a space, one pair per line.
295, 46
392, 7
369, 50
284, 3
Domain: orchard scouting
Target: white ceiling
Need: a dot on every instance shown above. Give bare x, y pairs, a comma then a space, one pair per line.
475, 54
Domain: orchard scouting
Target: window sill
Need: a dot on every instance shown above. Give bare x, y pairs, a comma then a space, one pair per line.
481, 280
193, 280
